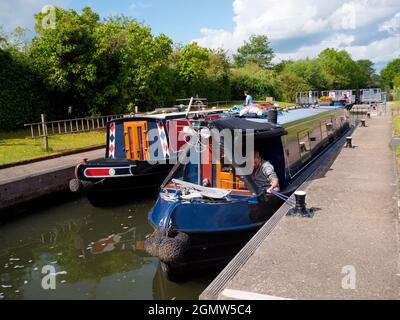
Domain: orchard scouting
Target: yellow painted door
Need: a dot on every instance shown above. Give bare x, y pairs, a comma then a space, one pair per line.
136, 142
226, 178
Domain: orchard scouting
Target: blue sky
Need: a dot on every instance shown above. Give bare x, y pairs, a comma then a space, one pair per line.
367, 29
179, 19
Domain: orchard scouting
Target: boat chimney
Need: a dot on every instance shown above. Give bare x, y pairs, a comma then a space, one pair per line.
273, 116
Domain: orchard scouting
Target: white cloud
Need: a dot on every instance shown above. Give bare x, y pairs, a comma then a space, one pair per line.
379, 51
391, 26
342, 41
339, 21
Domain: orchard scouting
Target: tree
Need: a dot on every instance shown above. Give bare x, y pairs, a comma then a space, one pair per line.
257, 51
191, 68
217, 84
103, 67
291, 84
339, 69
309, 71
389, 73
260, 82
65, 57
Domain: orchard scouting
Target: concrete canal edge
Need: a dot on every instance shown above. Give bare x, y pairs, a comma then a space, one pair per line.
217, 286
27, 182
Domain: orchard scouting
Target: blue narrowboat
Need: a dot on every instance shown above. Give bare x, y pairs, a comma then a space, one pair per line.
207, 210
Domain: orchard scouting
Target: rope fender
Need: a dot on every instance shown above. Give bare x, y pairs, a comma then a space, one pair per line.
168, 248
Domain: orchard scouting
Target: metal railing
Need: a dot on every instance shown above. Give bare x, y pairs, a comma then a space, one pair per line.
67, 126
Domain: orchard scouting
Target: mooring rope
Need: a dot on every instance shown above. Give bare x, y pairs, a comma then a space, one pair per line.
283, 197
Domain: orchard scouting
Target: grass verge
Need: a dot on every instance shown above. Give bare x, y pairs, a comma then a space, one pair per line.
18, 146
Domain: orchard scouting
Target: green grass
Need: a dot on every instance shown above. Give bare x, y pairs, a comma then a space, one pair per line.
18, 146
395, 105
396, 125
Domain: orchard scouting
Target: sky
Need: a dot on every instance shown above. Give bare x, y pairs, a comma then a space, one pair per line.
367, 29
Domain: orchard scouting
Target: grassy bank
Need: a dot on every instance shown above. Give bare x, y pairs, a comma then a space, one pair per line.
18, 146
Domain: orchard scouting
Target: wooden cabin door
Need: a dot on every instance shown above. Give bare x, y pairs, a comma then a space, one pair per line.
136, 142
226, 177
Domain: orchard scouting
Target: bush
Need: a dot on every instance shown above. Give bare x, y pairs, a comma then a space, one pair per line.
22, 94
259, 82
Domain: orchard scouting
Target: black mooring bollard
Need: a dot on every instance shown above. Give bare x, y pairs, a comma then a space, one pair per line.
300, 208
300, 197
349, 143
363, 123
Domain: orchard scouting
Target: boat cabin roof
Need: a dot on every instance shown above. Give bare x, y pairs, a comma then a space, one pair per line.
264, 129
167, 116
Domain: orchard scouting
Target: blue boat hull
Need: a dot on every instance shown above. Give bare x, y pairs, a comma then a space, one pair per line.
217, 231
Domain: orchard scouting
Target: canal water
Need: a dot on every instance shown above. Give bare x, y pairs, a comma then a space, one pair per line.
97, 253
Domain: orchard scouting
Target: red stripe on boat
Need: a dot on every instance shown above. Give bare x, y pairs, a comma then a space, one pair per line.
97, 172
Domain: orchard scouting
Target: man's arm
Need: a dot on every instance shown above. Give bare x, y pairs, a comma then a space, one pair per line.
274, 184
271, 174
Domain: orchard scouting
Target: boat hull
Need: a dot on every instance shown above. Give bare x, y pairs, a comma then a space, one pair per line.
214, 247
130, 180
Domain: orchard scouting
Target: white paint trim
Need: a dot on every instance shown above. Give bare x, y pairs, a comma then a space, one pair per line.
245, 295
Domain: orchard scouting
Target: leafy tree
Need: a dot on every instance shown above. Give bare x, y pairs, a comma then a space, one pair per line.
291, 84
389, 73
22, 94
65, 57
339, 69
191, 69
103, 67
258, 81
257, 51
307, 70
367, 76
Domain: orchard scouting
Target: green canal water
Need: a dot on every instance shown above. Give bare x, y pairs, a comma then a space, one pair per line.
97, 253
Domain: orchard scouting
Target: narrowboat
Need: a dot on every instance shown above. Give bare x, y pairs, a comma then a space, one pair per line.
137, 159
207, 210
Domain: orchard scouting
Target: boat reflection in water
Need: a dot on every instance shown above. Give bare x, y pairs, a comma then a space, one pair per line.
96, 253
207, 210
